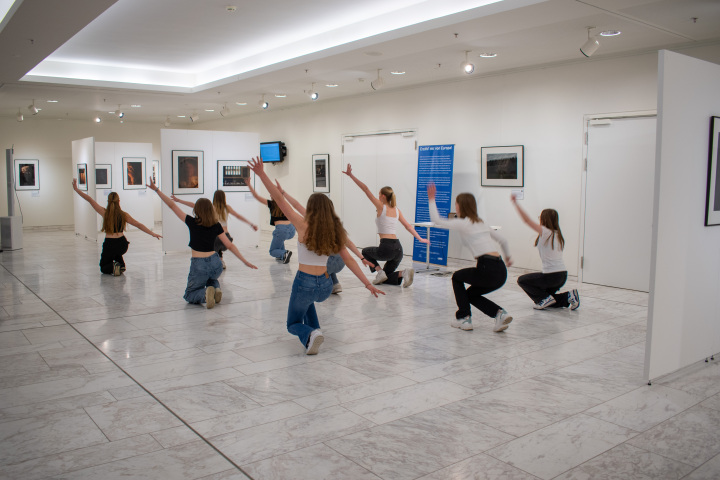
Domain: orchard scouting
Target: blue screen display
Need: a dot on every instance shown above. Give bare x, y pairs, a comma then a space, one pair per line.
270, 152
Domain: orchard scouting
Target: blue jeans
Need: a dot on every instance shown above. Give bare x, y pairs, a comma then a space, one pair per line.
280, 234
307, 289
335, 263
204, 272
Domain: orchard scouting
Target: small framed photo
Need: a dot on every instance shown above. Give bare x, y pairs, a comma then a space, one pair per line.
27, 174
155, 172
234, 175
134, 173
502, 166
82, 179
712, 205
187, 172
321, 173
103, 175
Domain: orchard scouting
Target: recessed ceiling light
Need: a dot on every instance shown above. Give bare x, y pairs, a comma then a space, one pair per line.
488, 55
397, 72
610, 33
373, 54
332, 85
209, 110
280, 95
136, 106
241, 103
52, 101
181, 116
113, 112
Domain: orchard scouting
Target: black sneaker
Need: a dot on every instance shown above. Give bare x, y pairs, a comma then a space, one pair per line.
286, 257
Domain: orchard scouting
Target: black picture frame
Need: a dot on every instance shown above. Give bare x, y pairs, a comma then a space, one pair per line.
81, 175
712, 198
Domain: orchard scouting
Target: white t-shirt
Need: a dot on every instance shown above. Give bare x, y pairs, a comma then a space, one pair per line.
550, 252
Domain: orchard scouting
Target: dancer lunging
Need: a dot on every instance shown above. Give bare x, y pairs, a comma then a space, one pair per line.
320, 234
114, 223
284, 229
487, 275
390, 250
542, 287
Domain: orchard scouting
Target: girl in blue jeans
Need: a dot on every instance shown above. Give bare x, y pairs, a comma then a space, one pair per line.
205, 264
320, 235
284, 229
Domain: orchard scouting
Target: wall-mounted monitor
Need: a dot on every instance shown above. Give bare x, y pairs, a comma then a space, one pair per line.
273, 152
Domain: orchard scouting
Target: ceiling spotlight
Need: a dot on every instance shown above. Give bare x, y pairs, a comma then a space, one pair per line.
263, 104
379, 82
19, 117
225, 111
591, 45
167, 121
98, 119
33, 109
313, 94
119, 113
466, 65
194, 117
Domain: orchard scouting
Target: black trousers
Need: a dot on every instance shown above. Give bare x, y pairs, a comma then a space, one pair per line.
219, 246
487, 276
113, 249
390, 250
541, 285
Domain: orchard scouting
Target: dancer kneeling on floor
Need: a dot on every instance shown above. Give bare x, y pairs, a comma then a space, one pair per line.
205, 265
284, 229
114, 222
541, 287
390, 248
320, 234
488, 275
222, 210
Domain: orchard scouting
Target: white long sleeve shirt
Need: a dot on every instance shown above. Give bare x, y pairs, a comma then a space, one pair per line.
477, 237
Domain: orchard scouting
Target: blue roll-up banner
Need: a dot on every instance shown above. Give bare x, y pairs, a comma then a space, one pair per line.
435, 164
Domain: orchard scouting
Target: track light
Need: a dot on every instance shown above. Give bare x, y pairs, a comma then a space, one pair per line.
379, 82
263, 104
194, 117
19, 117
591, 45
313, 94
98, 119
225, 111
167, 121
466, 65
33, 109
119, 113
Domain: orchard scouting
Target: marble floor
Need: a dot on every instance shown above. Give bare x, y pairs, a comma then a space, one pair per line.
117, 377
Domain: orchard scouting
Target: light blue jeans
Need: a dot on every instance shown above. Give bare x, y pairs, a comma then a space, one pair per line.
335, 263
204, 272
307, 289
280, 234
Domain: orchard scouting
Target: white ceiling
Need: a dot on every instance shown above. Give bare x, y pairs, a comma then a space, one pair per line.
177, 57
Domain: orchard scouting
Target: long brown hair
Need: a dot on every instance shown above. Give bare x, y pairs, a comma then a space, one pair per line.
389, 196
550, 219
220, 205
205, 213
114, 220
325, 234
467, 207
275, 211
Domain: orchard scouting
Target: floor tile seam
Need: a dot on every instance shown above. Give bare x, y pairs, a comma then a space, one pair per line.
350, 459
584, 394
176, 415
696, 468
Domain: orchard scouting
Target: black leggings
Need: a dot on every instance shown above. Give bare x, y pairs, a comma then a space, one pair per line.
487, 276
112, 251
542, 285
390, 250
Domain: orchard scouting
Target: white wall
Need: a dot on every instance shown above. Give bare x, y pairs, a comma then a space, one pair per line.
685, 271
83, 152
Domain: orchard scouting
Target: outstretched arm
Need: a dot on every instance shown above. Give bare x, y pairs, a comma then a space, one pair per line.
364, 188
295, 218
295, 204
257, 196
231, 246
411, 229
232, 212
168, 201
525, 217
358, 272
351, 246
184, 202
96, 206
140, 226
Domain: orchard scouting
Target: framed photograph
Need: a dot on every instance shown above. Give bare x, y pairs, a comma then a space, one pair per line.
502, 166
187, 172
82, 179
134, 173
103, 175
234, 175
712, 205
27, 174
321, 173
155, 172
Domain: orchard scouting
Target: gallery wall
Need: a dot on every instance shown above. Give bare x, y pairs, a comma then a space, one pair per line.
83, 153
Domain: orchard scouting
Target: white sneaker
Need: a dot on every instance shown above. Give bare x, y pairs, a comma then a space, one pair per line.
466, 324
218, 295
380, 278
116, 269
502, 320
574, 299
316, 339
223, 264
408, 277
337, 288
544, 303
209, 297
456, 322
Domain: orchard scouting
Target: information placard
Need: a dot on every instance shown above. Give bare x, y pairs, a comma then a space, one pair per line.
435, 164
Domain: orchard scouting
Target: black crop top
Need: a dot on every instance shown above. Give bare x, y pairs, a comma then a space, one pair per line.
202, 239
271, 206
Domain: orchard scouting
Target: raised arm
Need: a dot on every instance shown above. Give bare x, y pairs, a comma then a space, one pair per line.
525, 217
353, 266
351, 246
96, 206
231, 246
184, 202
168, 201
257, 196
140, 226
364, 188
295, 218
295, 204
410, 228
232, 212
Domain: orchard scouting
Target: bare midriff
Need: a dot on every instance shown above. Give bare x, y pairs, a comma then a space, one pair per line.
388, 235
282, 222
313, 269
114, 235
197, 254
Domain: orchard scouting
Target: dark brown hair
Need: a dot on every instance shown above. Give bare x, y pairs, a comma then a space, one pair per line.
205, 213
275, 211
114, 217
220, 205
467, 207
325, 234
550, 219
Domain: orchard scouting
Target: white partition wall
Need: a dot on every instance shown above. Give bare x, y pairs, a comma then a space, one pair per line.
215, 146
83, 152
684, 308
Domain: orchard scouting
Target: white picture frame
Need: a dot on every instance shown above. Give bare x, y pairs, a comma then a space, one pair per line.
82, 180
502, 166
103, 176
27, 174
188, 172
232, 175
134, 173
321, 172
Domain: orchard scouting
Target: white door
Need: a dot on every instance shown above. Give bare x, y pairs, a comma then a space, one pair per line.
378, 160
618, 203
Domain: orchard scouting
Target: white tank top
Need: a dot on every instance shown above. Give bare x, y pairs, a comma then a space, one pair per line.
306, 257
387, 225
